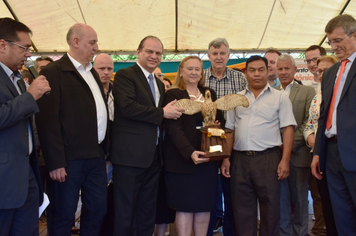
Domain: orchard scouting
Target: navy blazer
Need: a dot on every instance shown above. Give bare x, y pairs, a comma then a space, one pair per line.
345, 120
16, 113
134, 133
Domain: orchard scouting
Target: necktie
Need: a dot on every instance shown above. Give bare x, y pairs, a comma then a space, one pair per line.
329, 119
152, 86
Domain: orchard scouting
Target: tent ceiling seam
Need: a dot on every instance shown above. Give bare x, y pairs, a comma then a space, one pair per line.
269, 17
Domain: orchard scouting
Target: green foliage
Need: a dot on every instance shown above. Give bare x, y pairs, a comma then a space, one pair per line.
166, 57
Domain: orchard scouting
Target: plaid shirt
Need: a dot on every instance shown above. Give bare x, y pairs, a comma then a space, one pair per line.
232, 82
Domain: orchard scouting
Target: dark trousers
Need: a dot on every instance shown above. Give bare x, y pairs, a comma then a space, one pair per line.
89, 176
23, 220
294, 190
342, 189
229, 222
135, 192
327, 208
319, 224
255, 178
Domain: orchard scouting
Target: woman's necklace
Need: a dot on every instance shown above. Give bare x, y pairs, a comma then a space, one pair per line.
197, 97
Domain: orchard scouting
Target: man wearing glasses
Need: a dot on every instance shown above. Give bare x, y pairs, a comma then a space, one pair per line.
334, 151
21, 191
312, 54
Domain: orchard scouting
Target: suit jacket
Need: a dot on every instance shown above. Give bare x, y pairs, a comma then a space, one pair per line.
16, 113
345, 120
67, 123
136, 120
182, 138
301, 97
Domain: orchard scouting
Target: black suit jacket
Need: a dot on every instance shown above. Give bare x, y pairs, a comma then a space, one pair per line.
182, 138
134, 133
16, 113
346, 113
67, 123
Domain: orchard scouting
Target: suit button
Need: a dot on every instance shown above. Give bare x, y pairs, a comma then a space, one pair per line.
26, 134
27, 154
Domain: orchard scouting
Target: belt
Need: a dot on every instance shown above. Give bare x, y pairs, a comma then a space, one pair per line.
333, 139
256, 153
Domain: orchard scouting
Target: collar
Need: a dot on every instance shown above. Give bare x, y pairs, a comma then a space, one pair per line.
9, 72
211, 73
267, 87
145, 72
79, 66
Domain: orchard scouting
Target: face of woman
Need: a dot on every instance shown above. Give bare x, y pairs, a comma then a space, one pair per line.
191, 72
322, 66
166, 85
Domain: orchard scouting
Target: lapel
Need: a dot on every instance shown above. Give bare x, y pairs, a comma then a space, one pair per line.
5, 78
161, 91
67, 65
293, 92
349, 78
143, 81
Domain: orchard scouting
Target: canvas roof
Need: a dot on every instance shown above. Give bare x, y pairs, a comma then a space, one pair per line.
183, 26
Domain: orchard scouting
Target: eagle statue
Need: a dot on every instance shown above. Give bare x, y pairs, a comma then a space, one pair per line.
208, 107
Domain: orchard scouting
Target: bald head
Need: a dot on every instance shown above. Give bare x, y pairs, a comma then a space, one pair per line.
104, 65
83, 43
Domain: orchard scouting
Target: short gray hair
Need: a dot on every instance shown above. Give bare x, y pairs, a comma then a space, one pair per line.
216, 43
286, 57
347, 22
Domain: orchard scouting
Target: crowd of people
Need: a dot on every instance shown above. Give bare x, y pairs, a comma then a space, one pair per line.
135, 160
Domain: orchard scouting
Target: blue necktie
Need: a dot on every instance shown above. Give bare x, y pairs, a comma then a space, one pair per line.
152, 86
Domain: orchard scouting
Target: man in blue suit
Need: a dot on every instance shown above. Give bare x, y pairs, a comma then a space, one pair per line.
21, 191
335, 148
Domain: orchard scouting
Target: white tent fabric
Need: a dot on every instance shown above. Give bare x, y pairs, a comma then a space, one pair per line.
184, 26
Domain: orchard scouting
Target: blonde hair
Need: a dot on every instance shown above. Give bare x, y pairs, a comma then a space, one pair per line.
179, 82
332, 58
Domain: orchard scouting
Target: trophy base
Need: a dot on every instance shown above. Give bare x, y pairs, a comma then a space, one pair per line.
215, 147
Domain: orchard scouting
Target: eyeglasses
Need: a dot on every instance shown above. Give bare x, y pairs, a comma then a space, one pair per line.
335, 41
311, 60
27, 49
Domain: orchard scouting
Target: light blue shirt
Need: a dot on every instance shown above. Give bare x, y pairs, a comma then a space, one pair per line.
333, 130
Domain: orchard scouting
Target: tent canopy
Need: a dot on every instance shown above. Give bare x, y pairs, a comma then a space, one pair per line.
183, 26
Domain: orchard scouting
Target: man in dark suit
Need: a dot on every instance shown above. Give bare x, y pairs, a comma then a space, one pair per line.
72, 128
295, 188
21, 191
137, 134
335, 148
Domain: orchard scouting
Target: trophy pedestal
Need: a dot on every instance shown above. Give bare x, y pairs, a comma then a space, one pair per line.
215, 147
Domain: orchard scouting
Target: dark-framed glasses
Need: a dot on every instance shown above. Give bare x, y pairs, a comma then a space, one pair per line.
311, 60
27, 49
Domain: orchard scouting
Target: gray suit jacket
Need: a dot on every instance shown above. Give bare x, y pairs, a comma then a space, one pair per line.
301, 97
16, 113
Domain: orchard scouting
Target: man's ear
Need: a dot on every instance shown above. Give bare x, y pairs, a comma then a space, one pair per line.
3, 45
